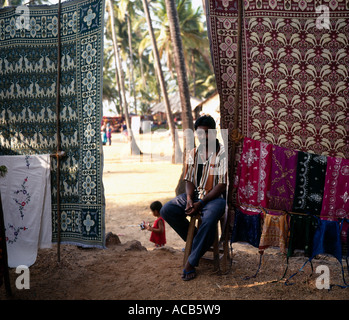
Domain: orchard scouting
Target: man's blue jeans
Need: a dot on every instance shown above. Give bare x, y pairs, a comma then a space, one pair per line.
174, 214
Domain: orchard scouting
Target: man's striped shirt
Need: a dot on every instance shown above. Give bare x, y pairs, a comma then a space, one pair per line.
206, 174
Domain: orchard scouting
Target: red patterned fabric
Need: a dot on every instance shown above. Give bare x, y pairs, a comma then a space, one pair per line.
295, 83
335, 203
253, 178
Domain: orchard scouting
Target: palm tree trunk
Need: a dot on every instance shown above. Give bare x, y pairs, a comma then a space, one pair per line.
142, 71
193, 73
129, 31
187, 117
176, 150
134, 147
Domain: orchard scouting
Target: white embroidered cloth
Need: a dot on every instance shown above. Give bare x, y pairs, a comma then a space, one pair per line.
26, 201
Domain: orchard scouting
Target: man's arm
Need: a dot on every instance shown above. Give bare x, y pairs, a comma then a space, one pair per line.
189, 190
213, 194
160, 228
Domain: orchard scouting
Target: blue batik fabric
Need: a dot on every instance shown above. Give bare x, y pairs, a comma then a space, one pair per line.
28, 80
247, 227
327, 239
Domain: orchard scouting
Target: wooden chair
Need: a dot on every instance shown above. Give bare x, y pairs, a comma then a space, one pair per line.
222, 232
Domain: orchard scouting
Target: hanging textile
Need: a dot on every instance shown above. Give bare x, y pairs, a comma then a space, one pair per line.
345, 238
294, 80
222, 26
275, 231
310, 180
294, 87
28, 76
3, 262
336, 191
247, 227
283, 178
26, 202
327, 240
253, 176
302, 230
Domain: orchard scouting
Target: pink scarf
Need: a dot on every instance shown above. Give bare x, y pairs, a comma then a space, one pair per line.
335, 203
252, 179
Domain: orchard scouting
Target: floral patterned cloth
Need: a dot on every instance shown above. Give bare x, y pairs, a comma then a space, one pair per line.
26, 200
336, 191
294, 83
335, 204
253, 177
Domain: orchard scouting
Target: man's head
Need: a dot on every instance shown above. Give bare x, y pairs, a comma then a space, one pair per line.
205, 128
206, 121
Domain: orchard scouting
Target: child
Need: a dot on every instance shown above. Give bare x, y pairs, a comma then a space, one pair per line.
158, 235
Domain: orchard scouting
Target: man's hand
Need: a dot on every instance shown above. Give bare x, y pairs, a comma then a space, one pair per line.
193, 209
189, 204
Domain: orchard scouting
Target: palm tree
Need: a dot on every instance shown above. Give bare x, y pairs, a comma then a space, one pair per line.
133, 144
126, 12
111, 91
129, 31
176, 151
194, 41
187, 118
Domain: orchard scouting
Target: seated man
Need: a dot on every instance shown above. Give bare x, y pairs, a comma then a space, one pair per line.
206, 180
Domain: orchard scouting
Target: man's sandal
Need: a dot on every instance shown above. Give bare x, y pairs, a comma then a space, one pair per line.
188, 275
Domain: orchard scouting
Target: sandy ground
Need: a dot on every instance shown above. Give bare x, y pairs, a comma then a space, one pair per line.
135, 270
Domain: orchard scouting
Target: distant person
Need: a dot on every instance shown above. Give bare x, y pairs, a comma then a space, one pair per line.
206, 180
158, 235
104, 134
109, 130
124, 130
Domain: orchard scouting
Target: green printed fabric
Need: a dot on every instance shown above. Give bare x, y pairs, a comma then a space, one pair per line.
28, 119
